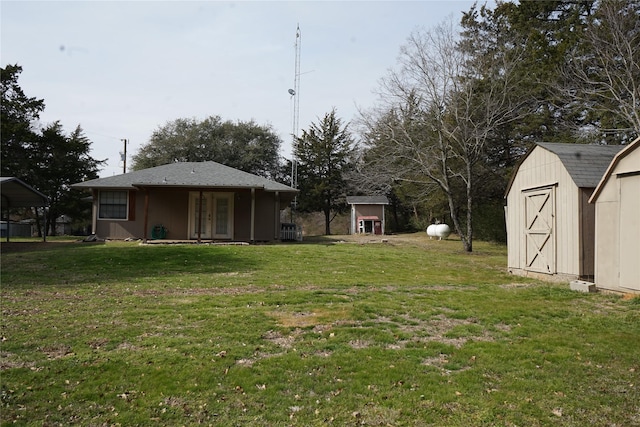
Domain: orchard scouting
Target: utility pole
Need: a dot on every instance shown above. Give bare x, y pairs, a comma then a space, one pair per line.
123, 156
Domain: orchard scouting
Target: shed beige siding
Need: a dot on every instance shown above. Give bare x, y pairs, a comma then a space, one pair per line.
618, 226
541, 170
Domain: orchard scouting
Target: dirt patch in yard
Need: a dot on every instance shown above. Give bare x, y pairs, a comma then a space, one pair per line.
57, 351
440, 329
11, 361
248, 289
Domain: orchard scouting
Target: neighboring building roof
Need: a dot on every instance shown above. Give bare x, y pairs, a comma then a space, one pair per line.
585, 163
622, 153
367, 200
187, 174
17, 194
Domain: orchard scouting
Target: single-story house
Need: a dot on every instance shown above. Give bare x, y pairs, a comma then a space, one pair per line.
617, 238
550, 222
188, 200
367, 214
17, 194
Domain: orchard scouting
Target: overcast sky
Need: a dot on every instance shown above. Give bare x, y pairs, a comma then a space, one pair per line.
121, 69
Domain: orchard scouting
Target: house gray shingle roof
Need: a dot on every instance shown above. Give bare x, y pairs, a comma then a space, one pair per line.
367, 200
187, 174
586, 164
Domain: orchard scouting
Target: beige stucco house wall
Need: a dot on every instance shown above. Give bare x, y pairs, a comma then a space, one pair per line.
617, 230
550, 224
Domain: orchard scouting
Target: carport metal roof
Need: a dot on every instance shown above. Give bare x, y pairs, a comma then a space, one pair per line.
17, 194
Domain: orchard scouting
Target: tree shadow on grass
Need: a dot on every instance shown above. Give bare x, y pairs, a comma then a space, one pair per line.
12, 247
71, 264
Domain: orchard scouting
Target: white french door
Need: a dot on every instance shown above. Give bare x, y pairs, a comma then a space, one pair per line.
214, 220
223, 215
196, 223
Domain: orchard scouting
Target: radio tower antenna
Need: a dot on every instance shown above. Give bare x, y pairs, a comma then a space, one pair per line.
295, 95
296, 105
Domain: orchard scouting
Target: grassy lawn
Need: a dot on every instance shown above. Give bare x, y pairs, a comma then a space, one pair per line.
410, 332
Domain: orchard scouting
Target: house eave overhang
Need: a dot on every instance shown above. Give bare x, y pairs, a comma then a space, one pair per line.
193, 187
142, 185
373, 203
367, 200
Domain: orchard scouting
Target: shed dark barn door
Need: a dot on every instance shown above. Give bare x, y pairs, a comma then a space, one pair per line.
539, 233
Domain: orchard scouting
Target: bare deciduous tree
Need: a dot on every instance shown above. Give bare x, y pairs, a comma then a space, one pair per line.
438, 111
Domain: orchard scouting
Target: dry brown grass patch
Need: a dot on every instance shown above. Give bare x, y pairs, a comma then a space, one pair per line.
320, 317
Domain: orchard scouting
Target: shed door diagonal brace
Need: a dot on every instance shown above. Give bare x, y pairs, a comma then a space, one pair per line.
535, 206
539, 244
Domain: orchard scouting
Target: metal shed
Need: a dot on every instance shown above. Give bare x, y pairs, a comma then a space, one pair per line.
617, 229
550, 224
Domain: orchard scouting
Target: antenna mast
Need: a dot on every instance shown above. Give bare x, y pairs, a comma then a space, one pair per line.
296, 107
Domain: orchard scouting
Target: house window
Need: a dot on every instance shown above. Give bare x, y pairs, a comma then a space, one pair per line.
113, 205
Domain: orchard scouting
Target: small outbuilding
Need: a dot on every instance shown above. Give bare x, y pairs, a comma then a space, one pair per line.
367, 214
550, 222
617, 230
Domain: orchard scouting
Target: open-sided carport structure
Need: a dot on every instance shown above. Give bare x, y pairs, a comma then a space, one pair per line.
17, 194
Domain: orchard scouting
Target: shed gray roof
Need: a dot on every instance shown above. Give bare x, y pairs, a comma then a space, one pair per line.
586, 164
367, 200
17, 194
187, 174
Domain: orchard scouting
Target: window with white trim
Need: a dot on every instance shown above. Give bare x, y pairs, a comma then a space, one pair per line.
113, 205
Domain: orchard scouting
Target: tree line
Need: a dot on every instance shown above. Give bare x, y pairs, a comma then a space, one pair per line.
453, 117
466, 101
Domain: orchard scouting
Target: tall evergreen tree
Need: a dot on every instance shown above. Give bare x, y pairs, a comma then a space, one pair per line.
324, 155
541, 34
17, 113
57, 161
602, 74
47, 159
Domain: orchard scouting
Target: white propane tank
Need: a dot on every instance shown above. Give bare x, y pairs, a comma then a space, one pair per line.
431, 231
442, 231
